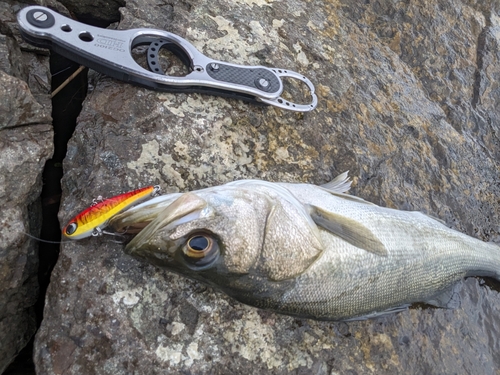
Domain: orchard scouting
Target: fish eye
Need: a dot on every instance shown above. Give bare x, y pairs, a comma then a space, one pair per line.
199, 244
200, 251
71, 228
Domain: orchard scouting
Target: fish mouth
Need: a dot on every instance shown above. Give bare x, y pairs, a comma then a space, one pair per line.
135, 219
185, 208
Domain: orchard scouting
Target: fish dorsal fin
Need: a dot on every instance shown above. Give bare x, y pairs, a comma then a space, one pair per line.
339, 184
348, 229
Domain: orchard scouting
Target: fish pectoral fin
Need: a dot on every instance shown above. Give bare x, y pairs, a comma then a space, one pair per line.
448, 299
378, 314
348, 229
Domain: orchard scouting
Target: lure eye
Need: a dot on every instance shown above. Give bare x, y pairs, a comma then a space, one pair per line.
71, 228
200, 251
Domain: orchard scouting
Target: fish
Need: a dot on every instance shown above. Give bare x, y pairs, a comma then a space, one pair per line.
94, 219
305, 250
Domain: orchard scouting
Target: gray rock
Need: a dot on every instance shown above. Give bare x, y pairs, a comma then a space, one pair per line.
407, 103
96, 12
25, 145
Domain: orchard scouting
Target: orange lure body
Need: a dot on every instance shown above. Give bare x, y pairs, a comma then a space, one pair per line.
91, 221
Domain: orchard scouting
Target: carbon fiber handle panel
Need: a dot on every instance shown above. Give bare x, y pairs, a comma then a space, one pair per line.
258, 78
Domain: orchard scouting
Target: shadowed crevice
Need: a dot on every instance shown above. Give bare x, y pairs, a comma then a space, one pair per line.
66, 106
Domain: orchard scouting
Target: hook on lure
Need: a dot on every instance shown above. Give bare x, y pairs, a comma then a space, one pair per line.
93, 220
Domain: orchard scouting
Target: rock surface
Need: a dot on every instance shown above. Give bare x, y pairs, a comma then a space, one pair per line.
25, 145
95, 12
408, 98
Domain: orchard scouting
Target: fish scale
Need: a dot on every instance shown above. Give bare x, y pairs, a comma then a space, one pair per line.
400, 279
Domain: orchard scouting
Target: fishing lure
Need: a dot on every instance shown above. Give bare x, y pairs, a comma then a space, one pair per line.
91, 221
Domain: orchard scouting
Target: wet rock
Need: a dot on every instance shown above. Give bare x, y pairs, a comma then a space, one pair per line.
25, 145
407, 98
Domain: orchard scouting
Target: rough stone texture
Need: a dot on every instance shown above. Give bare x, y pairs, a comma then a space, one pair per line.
408, 103
25, 145
95, 12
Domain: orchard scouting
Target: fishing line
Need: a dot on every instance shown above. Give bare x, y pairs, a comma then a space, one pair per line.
59, 242
39, 239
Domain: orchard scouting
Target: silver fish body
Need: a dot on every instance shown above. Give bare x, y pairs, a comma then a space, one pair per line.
305, 250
